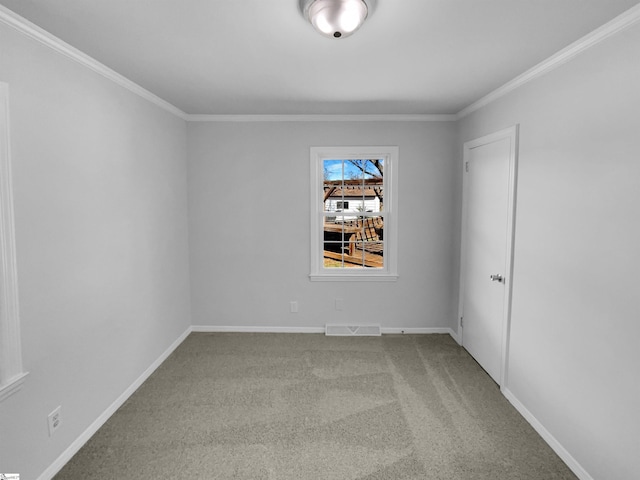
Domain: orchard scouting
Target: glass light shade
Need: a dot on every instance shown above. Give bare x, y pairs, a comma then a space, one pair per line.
337, 18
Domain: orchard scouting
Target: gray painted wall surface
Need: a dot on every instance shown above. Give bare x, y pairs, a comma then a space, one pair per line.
249, 226
575, 325
99, 179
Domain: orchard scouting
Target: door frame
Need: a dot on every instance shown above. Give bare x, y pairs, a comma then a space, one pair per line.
512, 134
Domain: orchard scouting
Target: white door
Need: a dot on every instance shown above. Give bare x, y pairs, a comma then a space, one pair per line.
489, 195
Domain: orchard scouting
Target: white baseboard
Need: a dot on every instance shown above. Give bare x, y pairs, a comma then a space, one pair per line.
60, 462
255, 329
416, 331
555, 445
455, 336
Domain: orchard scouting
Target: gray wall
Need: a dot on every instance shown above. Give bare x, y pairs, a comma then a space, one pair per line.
249, 226
99, 179
575, 325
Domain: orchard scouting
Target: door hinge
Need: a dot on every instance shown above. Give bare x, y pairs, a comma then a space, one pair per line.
462, 321
466, 167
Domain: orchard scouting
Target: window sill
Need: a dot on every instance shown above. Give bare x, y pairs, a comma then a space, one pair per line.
384, 277
12, 386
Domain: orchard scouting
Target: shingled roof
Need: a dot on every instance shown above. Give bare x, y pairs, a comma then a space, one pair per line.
351, 192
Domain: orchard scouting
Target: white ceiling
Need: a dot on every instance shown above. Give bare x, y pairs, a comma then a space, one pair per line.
261, 57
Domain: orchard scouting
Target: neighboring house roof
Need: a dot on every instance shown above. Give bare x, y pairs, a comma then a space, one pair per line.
351, 192
335, 189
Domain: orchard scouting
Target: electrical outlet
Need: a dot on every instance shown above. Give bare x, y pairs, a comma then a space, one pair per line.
55, 420
294, 306
339, 304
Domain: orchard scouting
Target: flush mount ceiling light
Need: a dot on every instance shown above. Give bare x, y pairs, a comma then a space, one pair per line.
337, 18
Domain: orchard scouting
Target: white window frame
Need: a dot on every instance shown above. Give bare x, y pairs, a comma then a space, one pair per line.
11, 373
389, 272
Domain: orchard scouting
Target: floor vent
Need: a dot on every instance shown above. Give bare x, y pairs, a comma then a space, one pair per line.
353, 330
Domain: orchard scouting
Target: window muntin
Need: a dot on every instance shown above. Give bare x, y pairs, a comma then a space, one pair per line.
351, 218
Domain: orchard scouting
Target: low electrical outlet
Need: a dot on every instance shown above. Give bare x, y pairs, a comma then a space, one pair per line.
55, 420
293, 306
339, 304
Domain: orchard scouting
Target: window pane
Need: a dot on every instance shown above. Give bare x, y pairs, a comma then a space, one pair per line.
338, 228
373, 180
333, 186
333, 256
338, 255
353, 185
332, 263
367, 242
371, 169
335, 238
378, 199
353, 241
333, 169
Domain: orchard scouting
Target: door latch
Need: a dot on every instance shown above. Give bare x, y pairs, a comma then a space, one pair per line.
497, 278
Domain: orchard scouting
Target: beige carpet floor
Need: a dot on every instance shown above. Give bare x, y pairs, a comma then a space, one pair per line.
306, 406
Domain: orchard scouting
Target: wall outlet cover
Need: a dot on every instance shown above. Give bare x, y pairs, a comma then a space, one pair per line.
55, 420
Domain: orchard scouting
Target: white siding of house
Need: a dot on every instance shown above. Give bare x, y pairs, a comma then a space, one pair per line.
355, 205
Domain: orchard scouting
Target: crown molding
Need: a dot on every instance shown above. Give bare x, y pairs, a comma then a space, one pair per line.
322, 118
31, 30
621, 22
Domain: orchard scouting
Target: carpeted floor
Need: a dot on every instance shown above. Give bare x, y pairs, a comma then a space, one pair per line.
306, 406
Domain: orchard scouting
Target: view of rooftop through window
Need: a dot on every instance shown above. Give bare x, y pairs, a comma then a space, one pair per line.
353, 217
